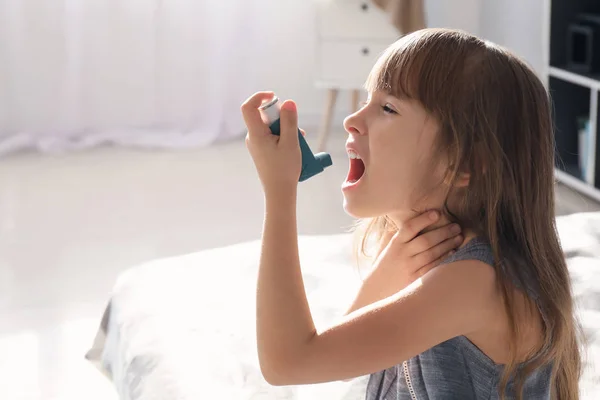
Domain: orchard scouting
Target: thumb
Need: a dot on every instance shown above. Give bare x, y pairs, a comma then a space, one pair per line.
289, 124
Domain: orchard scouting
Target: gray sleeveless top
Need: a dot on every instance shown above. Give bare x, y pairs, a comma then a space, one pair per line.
455, 369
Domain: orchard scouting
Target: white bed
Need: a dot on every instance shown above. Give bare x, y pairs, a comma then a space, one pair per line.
183, 328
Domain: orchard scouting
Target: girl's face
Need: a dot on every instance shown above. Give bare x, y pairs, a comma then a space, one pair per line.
397, 172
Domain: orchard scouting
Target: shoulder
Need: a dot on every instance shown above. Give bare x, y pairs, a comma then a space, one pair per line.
463, 272
470, 272
462, 278
465, 288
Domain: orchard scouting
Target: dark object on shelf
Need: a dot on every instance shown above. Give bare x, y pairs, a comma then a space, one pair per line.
583, 142
583, 44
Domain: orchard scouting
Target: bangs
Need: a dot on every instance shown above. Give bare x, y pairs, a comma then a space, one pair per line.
396, 72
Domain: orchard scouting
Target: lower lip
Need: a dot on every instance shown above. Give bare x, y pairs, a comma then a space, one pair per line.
347, 185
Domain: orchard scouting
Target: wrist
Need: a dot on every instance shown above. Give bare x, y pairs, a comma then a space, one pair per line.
281, 195
280, 213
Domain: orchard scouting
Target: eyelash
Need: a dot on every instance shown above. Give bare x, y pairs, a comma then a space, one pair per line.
388, 110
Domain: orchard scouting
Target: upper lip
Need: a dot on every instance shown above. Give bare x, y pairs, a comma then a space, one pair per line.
351, 146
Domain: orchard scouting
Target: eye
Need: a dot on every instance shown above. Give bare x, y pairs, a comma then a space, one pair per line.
388, 110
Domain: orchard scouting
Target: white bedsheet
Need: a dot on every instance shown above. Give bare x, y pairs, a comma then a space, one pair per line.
183, 328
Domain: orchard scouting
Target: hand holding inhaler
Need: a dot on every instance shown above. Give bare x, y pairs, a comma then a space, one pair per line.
311, 164
281, 155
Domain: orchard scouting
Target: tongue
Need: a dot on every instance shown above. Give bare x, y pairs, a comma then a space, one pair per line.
357, 169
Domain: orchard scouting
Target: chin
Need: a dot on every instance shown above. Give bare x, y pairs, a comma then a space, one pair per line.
357, 210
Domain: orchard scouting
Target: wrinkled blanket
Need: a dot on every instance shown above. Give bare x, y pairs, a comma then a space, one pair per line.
183, 328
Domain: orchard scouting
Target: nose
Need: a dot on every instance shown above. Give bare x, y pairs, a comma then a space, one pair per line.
354, 124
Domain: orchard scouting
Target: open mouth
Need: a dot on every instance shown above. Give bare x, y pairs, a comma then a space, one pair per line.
357, 168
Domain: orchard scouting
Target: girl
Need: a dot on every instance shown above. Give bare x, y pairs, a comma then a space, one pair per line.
462, 127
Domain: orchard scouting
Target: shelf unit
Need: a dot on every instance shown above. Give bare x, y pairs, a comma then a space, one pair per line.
575, 97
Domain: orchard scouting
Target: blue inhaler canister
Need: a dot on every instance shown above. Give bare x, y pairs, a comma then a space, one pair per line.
311, 164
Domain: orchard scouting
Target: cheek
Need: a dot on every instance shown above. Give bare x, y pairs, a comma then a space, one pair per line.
403, 171
396, 171
398, 158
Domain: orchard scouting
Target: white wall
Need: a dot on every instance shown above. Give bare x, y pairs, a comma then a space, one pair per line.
518, 25
292, 34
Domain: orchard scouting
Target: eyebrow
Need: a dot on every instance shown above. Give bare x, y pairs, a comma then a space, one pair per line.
388, 96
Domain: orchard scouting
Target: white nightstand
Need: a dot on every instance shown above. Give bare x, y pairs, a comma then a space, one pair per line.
351, 36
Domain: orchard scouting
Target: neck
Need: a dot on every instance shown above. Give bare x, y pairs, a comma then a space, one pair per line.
401, 218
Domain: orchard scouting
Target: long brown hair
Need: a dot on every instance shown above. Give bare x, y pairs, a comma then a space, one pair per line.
495, 123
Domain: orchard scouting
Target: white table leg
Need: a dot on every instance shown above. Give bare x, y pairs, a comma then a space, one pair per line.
326, 120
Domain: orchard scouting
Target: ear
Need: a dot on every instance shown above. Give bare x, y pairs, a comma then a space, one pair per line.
462, 180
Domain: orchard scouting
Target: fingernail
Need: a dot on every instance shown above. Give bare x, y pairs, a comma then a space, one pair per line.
451, 252
455, 228
459, 239
289, 106
433, 215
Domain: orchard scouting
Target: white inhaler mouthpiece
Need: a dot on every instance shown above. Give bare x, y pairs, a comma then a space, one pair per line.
271, 110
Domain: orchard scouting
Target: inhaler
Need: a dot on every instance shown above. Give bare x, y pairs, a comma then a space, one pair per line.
311, 164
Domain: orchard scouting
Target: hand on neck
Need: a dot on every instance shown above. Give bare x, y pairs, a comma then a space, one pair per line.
401, 218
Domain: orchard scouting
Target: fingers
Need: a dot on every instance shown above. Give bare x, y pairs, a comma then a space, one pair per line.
289, 123
438, 250
251, 113
413, 226
429, 239
425, 269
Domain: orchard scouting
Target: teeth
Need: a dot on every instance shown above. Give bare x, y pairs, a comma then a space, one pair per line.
352, 154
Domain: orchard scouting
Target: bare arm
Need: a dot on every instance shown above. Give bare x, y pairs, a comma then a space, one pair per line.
284, 321
447, 301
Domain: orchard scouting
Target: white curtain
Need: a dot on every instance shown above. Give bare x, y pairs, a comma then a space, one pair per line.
151, 73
